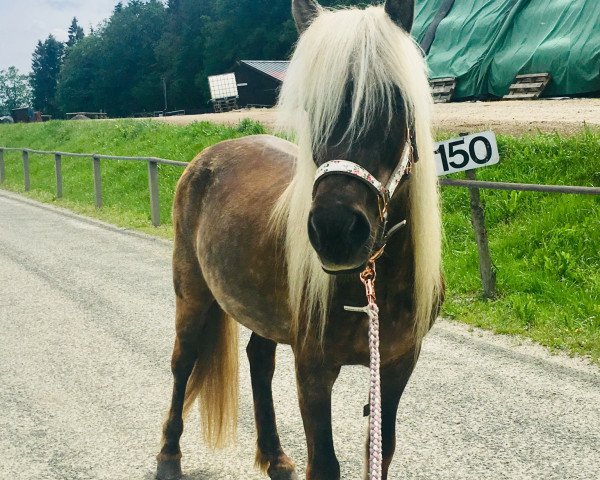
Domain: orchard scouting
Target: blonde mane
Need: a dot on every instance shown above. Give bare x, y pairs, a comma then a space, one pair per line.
366, 46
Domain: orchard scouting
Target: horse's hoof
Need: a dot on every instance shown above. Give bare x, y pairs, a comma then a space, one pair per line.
168, 470
281, 475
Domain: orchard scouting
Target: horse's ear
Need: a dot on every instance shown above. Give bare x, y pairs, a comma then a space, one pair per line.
304, 12
402, 12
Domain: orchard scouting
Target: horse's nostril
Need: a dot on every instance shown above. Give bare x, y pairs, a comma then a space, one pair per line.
359, 229
338, 233
313, 232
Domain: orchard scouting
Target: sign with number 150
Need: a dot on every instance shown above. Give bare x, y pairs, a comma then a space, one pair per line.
466, 153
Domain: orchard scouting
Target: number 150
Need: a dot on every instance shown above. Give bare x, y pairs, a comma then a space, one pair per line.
455, 150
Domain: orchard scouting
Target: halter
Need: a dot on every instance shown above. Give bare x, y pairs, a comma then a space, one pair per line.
384, 192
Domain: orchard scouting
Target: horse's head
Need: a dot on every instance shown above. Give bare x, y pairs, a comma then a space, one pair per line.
366, 124
347, 217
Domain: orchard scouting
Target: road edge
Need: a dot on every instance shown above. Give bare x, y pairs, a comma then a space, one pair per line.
89, 220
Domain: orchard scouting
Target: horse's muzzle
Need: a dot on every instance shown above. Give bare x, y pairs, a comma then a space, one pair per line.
340, 235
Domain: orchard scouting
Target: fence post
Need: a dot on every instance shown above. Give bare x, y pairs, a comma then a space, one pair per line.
97, 181
26, 170
2, 170
58, 172
487, 270
153, 187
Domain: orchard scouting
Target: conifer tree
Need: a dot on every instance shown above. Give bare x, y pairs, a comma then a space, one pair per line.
75, 33
45, 68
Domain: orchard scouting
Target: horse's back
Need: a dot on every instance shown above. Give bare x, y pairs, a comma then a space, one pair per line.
221, 218
262, 164
265, 149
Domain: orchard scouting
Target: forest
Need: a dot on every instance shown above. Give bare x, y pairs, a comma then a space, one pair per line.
145, 47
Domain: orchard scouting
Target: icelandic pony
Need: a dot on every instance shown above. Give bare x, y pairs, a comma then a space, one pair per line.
256, 242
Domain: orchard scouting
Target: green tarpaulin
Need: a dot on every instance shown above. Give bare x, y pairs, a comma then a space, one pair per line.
485, 44
425, 12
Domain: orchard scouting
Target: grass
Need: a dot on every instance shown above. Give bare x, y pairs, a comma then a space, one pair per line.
124, 183
545, 246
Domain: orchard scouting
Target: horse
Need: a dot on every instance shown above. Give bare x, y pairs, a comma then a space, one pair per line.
259, 242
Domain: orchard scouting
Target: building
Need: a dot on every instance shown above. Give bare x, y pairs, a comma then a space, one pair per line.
258, 81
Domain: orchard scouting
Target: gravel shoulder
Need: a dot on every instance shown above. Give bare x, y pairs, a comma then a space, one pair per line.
86, 326
511, 117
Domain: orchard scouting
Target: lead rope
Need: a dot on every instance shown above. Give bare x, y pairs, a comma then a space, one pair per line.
372, 311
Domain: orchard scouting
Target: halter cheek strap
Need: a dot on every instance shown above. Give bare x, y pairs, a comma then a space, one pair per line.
402, 169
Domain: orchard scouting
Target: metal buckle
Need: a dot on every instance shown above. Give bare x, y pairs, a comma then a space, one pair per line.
382, 203
367, 277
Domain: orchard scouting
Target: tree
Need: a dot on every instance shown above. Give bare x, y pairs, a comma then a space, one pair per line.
115, 68
75, 33
45, 66
247, 29
129, 76
180, 53
206, 38
120, 66
14, 90
251, 29
78, 83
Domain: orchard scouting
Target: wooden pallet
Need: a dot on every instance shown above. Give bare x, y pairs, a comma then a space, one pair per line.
528, 87
225, 104
442, 89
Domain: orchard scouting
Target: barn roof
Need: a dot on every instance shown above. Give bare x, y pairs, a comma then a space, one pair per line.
272, 68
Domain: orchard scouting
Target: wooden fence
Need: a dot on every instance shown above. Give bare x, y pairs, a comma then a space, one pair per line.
152, 162
487, 272
486, 268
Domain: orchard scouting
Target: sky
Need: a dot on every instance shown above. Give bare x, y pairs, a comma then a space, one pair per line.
24, 22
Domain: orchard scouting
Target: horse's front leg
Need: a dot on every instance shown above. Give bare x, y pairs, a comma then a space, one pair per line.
394, 377
315, 382
270, 457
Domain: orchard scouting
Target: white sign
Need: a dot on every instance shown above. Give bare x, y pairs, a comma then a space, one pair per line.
466, 153
223, 86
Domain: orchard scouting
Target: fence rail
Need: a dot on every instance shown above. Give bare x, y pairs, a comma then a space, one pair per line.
96, 158
523, 187
157, 160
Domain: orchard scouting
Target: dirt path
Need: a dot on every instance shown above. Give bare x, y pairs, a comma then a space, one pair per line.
519, 117
514, 117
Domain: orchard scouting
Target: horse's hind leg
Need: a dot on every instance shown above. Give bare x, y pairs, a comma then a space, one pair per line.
191, 318
269, 454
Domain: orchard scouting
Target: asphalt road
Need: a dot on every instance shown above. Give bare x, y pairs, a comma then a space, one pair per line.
86, 328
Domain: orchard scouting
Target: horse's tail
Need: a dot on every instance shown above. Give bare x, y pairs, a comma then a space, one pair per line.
214, 381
